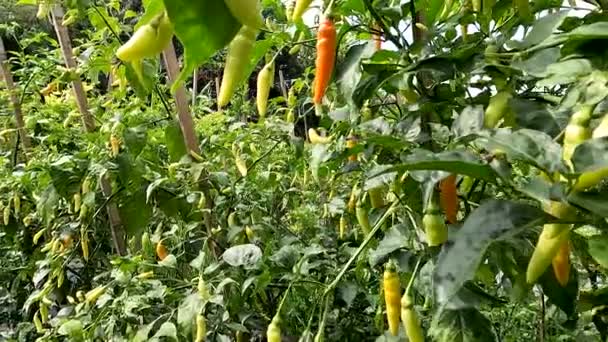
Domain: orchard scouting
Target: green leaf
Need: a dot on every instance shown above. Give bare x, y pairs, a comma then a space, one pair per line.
529, 146
461, 255
462, 325
393, 240
470, 121
591, 155
597, 30
564, 298
598, 248
135, 140
203, 27
166, 330
348, 72
595, 202
72, 328
534, 115
247, 255
135, 213
542, 29
175, 142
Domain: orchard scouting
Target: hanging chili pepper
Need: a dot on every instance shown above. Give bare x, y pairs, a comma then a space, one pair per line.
561, 264
592, 178
449, 198
326, 56
148, 41
247, 12
577, 131
410, 320
434, 224
265, 81
236, 61
300, 8
392, 298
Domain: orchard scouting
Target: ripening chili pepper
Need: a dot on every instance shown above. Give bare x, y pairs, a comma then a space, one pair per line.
201, 328
363, 219
497, 109
577, 131
161, 251
392, 298
317, 139
299, 9
549, 242
237, 59
38, 323
265, 81
17, 203
247, 12
84, 244
410, 320
289, 8
449, 198
273, 333
241, 165
352, 201
351, 142
7, 215
561, 264
148, 41
592, 178
77, 202
326, 56
434, 225
43, 10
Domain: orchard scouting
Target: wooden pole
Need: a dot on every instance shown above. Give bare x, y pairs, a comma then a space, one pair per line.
118, 236
10, 85
63, 37
181, 101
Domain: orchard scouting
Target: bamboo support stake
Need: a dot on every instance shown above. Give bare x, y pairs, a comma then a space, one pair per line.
181, 101
118, 236
10, 85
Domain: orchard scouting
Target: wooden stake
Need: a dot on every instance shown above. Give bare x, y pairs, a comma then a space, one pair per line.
66, 47
181, 100
118, 236
10, 85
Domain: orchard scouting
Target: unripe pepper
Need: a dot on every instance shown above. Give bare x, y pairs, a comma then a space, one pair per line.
299, 9
577, 131
92, 296
561, 264
592, 178
201, 328
549, 242
343, 227
326, 57
392, 298
148, 41
497, 109
17, 203
247, 12
434, 225
410, 320
7, 215
289, 8
351, 142
265, 81
363, 219
273, 333
236, 61
449, 198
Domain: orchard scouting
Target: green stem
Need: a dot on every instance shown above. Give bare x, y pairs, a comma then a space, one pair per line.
414, 274
358, 252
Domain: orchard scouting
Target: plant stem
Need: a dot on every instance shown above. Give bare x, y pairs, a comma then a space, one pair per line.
367, 240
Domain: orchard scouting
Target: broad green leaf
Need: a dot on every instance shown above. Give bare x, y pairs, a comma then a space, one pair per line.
461, 255
348, 72
597, 30
393, 240
564, 298
175, 142
203, 27
598, 248
72, 328
470, 121
591, 155
542, 29
243, 255
467, 325
135, 140
534, 115
167, 330
529, 146
595, 202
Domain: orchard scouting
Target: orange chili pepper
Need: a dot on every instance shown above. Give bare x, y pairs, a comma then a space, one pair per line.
326, 57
